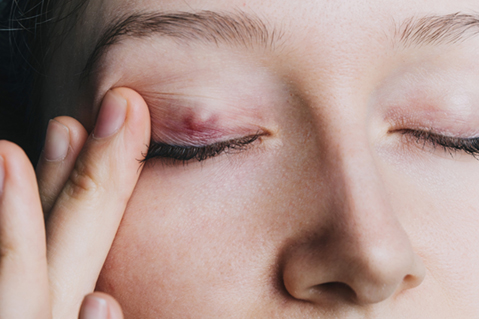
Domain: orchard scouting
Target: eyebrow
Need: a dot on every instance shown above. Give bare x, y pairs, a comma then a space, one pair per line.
238, 29
437, 30
250, 31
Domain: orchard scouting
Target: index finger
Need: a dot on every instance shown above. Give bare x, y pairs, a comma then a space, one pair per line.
88, 211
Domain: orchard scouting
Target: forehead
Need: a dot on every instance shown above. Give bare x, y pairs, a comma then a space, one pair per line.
337, 30
330, 40
355, 17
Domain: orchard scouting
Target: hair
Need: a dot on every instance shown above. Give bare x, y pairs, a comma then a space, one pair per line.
27, 43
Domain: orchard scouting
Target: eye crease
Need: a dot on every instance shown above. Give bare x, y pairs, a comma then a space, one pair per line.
185, 153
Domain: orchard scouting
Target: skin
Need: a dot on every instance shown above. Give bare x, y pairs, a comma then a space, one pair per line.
337, 211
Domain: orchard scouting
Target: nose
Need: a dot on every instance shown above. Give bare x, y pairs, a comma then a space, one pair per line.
353, 248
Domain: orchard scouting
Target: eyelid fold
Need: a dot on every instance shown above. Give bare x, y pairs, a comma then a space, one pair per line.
192, 130
438, 123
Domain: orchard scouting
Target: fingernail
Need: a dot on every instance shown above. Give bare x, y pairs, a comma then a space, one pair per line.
57, 141
112, 115
2, 173
94, 308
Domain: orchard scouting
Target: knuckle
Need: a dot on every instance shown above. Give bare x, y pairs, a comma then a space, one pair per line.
82, 183
14, 254
7, 251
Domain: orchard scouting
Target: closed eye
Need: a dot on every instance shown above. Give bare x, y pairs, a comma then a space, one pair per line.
184, 153
449, 144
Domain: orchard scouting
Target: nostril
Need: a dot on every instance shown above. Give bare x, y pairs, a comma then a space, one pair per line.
335, 291
362, 268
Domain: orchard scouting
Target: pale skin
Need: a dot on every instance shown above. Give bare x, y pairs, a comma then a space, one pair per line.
351, 203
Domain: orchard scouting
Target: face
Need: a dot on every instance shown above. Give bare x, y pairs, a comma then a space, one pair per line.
328, 165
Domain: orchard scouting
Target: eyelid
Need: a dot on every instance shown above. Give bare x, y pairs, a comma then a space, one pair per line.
185, 153
449, 144
437, 132
447, 125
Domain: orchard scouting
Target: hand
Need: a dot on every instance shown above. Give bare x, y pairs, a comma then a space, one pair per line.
84, 186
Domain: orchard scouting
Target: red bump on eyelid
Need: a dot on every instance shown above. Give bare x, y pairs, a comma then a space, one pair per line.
192, 125
188, 128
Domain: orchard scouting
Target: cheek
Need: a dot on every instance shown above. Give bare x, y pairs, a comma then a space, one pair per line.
202, 232
204, 240
437, 204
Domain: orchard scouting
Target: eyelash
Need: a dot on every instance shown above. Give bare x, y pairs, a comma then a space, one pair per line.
198, 153
184, 154
451, 145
